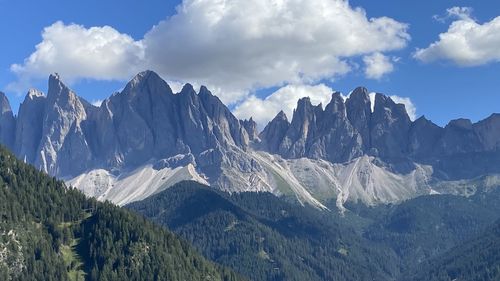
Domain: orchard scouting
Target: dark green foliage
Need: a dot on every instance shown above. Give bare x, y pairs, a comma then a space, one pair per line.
477, 259
265, 238
425, 227
40, 216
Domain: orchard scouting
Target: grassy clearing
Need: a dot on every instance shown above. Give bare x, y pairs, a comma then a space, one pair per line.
73, 261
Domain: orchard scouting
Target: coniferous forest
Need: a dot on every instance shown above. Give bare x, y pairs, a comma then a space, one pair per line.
267, 238
51, 232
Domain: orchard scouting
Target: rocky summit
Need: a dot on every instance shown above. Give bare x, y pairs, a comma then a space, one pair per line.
146, 138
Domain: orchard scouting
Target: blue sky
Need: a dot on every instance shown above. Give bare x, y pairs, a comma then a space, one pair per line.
443, 83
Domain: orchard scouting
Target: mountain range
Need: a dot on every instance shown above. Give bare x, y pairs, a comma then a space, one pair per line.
146, 138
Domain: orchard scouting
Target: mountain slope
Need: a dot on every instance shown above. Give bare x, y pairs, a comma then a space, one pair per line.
51, 232
268, 238
477, 259
422, 229
264, 237
357, 150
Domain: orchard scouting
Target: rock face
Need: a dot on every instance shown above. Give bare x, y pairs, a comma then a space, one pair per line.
274, 132
389, 128
314, 133
7, 122
65, 136
29, 125
63, 148
343, 132
350, 149
358, 107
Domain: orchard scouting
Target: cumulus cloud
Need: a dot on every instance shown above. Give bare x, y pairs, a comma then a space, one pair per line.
411, 109
240, 44
285, 98
466, 43
100, 53
377, 65
455, 12
232, 46
263, 110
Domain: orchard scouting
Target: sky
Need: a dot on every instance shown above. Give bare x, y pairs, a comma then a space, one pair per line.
440, 58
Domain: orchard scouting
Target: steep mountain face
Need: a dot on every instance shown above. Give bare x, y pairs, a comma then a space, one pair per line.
145, 125
146, 138
358, 107
317, 133
345, 131
7, 122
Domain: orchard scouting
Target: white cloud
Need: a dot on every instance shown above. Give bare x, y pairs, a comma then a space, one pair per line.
455, 12
75, 52
466, 43
243, 45
96, 102
377, 65
232, 46
411, 109
459, 12
285, 98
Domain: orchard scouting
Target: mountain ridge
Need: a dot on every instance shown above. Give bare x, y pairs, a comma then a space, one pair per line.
360, 151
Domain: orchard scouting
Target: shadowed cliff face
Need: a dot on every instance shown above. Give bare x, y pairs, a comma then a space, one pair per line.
64, 135
344, 131
147, 123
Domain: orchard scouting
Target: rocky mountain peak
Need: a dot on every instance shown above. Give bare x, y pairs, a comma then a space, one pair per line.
303, 105
274, 132
390, 124
56, 86
250, 127
187, 89
281, 115
7, 122
358, 109
146, 124
147, 84
204, 92
4, 104
461, 123
336, 105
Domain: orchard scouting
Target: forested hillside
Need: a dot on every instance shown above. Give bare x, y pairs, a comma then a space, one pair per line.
268, 238
477, 259
51, 232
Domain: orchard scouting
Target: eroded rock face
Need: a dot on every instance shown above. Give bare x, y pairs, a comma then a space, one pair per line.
7, 122
358, 107
64, 135
389, 128
147, 124
345, 131
29, 125
488, 132
274, 132
62, 147
423, 137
